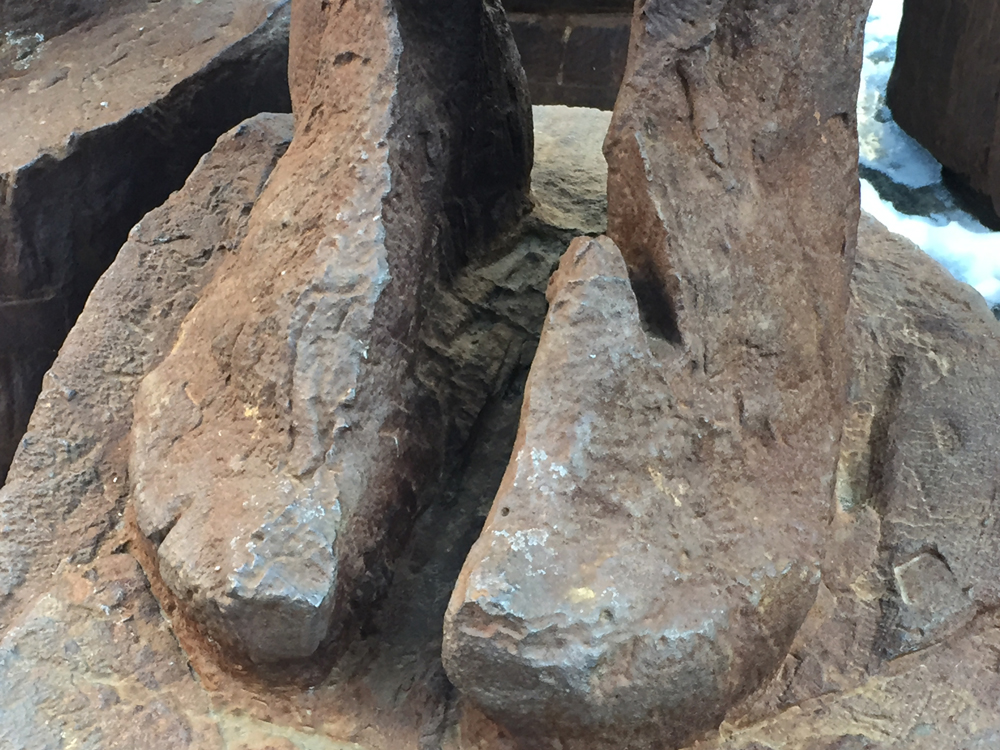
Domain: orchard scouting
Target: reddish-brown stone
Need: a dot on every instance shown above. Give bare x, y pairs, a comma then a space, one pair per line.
657, 540
945, 87
100, 125
906, 607
88, 656
283, 448
69, 480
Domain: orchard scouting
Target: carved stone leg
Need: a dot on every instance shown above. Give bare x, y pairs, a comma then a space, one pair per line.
281, 449
656, 542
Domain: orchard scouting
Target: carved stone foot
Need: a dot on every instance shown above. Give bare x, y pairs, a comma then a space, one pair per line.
281, 449
626, 576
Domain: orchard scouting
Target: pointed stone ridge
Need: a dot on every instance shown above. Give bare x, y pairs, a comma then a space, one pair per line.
281, 449
67, 486
656, 542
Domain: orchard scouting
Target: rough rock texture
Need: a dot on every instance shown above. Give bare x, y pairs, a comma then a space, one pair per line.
92, 664
284, 446
910, 562
945, 87
900, 647
657, 540
68, 483
103, 123
88, 661
569, 183
921, 448
52, 17
944, 698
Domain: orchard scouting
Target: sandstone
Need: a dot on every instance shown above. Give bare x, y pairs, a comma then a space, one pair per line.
72, 671
69, 481
904, 627
569, 182
945, 86
283, 448
101, 123
909, 565
895, 651
87, 659
54, 17
91, 664
940, 699
921, 445
657, 540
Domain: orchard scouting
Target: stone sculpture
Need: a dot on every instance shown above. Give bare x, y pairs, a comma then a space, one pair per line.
293, 397
284, 446
657, 539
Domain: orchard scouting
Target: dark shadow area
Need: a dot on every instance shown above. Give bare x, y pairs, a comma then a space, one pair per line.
971, 200
52, 17
656, 309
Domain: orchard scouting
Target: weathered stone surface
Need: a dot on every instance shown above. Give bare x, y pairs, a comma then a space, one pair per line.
945, 87
93, 665
944, 698
909, 564
657, 540
389, 690
915, 518
921, 445
68, 483
100, 125
574, 58
284, 446
52, 17
909, 570
89, 653
569, 183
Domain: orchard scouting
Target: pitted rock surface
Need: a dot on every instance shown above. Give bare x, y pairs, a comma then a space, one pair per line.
104, 671
657, 541
100, 124
92, 664
601, 591
69, 480
284, 446
87, 659
907, 579
921, 447
943, 698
